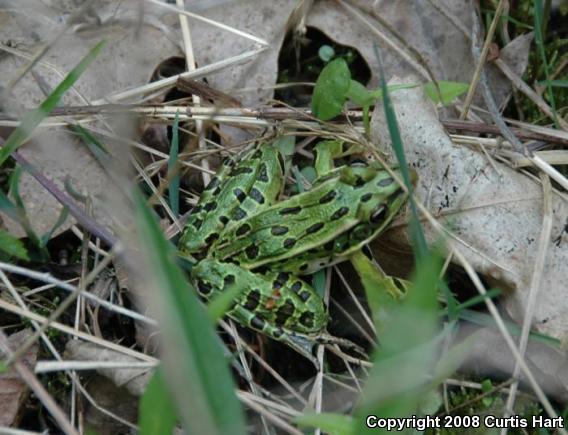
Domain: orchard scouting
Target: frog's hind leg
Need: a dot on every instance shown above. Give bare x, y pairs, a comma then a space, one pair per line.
301, 344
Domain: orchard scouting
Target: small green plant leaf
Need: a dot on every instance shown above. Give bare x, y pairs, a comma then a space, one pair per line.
448, 91
286, 145
359, 94
12, 246
33, 118
157, 410
197, 375
309, 173
326, 53
333, 424
331, 89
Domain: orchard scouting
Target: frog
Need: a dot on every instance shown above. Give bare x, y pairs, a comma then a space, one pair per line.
245, 236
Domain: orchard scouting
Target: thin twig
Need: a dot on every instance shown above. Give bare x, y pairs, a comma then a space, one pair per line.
481, 60
40, 392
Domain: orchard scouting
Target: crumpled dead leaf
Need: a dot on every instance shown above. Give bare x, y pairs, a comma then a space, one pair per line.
489, 355
134, 380
435, 35
132, 52
13, 391
494, 212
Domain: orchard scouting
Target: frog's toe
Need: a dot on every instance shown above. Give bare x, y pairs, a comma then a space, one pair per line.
327, 338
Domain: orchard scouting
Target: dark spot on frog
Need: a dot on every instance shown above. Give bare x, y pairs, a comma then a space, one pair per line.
211, 238
296, 287
328, 246
203, 288
251, 252
385, 182
366, 197
289, 243
210, 206
315, 228
240, 171
328, 197
304, 296
229, 279
263, 173
284, 312
339, 213
359, 182
307, 319
239, 214
256, 195
253, 299
239, 194
212, 184
379, 214
243, 229
280, 280
303, 267
224, 220
278, 230
290, 210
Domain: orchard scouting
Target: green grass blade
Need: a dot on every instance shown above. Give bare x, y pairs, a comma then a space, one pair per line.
196, 371
173, 168
539, 40
12, 246
157, 411
409, 346
33, 118
416, 233
96, 147
18, 209
60, 220
555, 83
333, 424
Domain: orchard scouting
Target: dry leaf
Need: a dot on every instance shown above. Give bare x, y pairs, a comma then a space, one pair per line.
494, 211
134, 380
435, 35
132, 52
13, 391
489, 355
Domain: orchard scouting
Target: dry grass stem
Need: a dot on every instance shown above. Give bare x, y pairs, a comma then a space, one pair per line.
534, 290
482, 58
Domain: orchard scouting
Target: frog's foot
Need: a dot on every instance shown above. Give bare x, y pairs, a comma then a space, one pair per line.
328, 339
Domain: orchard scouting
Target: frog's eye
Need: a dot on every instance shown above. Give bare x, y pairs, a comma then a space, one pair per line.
379, 214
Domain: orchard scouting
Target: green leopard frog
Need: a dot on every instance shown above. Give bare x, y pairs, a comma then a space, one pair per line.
242, 234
